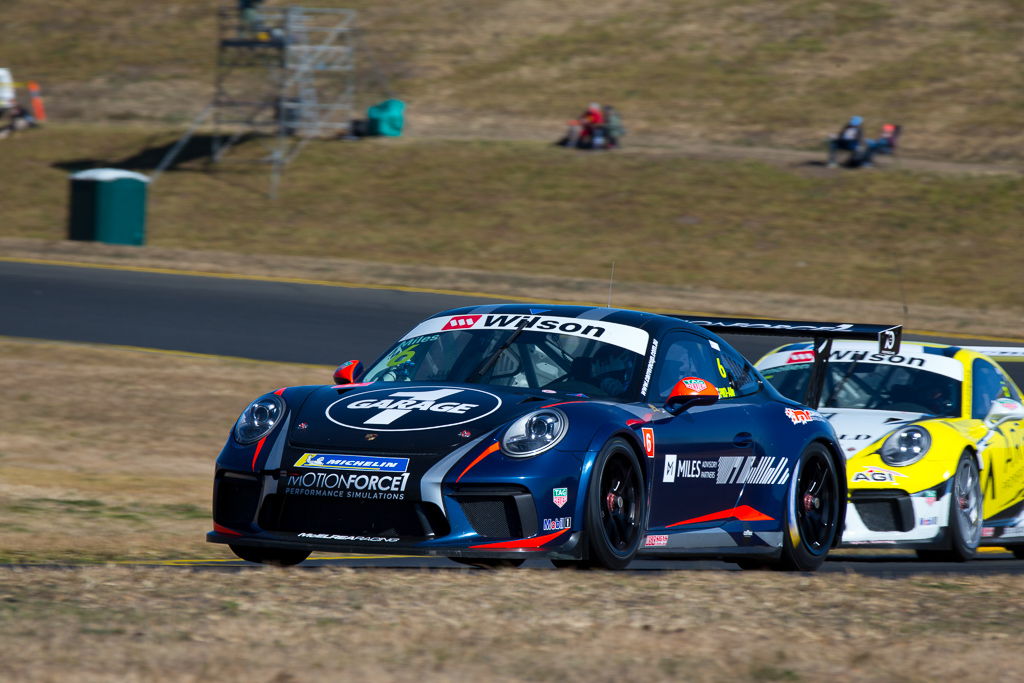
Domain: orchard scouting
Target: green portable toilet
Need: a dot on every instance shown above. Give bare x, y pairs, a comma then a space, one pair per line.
108, 205
386, 118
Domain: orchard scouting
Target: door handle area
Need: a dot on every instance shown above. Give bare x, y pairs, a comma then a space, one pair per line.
742, 440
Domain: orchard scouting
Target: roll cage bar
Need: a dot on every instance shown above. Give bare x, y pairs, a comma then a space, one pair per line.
823, 334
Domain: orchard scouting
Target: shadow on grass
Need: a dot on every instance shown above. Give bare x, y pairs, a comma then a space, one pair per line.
198, 148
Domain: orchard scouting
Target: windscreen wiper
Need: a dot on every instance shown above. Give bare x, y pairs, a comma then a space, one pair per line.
489, 363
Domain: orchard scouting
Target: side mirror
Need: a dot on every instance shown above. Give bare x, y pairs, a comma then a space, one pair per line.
1003, 410
348, 372
689, 392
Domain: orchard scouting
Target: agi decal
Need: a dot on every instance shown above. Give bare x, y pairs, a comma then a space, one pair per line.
557, 524
877, 474
928, 521
648, 434
419, 409
329, 461
335, 485
560, 496
656, 540
752, 469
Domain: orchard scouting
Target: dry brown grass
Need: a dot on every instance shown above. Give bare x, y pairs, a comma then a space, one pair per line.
108, 453
115, 623
780, 74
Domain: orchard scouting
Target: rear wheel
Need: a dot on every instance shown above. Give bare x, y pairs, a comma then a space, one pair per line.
1018, 551
274, 556
487, 562
965, 515
812, 511
615, 503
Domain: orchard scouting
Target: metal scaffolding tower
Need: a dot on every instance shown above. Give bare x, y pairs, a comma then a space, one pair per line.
284, 76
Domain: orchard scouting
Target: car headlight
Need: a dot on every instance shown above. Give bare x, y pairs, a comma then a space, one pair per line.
259, 419
906, 446
534, 433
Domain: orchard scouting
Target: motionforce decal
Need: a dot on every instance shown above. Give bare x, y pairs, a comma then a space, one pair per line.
798, 417
626, 336
728, 470
361, 463
656, 540
388, 410
338, 485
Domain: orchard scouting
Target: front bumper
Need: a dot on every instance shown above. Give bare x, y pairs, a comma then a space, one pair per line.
893, 518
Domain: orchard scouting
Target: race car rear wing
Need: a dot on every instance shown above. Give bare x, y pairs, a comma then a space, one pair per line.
823, 333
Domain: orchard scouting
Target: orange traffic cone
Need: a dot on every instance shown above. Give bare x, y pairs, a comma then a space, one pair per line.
37, 101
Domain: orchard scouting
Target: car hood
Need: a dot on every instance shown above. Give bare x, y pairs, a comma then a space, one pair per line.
858, 429
404, 417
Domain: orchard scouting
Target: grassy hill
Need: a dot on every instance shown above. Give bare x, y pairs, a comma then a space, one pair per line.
476, 183
782, 73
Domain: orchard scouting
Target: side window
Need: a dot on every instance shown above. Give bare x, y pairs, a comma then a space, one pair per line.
740, 374
681, 355
988, 385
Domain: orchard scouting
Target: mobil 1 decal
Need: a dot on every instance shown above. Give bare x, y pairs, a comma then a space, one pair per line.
414, 409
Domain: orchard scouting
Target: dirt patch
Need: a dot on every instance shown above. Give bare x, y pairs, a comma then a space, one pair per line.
947, 319
106, 623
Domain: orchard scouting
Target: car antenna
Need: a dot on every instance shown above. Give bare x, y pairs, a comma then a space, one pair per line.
611, 279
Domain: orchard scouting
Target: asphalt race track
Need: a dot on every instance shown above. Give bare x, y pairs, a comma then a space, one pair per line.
316, 324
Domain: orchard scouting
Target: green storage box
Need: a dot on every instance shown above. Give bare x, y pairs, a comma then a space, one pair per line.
108, 205
386, 118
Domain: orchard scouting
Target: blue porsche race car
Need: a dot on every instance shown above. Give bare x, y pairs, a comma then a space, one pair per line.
587, 436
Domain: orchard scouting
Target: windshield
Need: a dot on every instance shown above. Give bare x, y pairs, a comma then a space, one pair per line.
873, 386
515, 357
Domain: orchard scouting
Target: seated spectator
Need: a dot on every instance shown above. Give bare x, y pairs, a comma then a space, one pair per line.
885, 144
19, 118
614, 130
849, 139
591, 129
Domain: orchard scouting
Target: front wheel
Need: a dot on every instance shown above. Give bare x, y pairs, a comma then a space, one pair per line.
812, 511
615, 504
965, 515
273, 556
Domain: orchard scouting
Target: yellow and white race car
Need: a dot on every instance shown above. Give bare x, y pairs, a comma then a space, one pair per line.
934, 441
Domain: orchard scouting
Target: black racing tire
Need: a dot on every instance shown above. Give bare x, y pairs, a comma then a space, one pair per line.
1017, 550
615, 507
812, 511
966, 515
274, 556
488, 562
